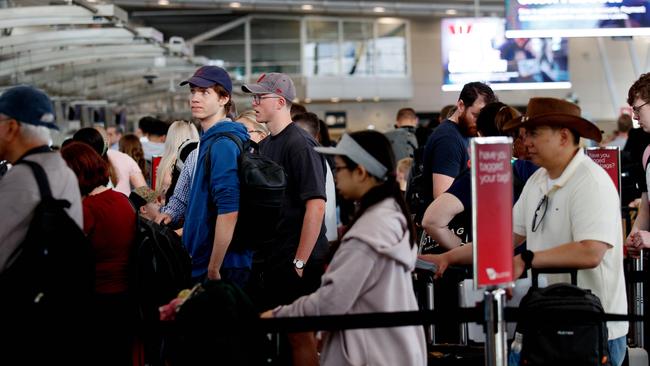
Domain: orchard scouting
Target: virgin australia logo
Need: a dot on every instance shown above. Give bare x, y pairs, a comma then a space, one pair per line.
494, 275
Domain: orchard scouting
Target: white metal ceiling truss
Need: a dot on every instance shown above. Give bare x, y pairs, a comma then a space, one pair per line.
30, 16
356, 7
77, 54
57, 39
70, 71
88, 50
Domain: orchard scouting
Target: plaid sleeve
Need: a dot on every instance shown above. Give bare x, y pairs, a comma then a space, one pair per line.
178, 201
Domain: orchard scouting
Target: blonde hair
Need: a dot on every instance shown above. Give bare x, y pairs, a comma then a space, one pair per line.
249, 116
404, 165
179, 132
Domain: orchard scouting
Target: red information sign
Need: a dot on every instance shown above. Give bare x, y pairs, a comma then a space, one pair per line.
609, 158
492, 210
155, 161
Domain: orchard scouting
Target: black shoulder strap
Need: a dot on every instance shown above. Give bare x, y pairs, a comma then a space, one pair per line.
41, 178
234, 138
231, 136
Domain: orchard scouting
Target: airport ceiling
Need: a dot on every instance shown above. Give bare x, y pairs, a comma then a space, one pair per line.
80, 47
173, 18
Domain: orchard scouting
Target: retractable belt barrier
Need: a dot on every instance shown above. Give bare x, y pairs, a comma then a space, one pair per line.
410, 318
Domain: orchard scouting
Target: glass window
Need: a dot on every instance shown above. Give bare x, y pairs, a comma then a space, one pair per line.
391, 49
275, 29
322, 47
275, 46
357, 48
235, 34
233, 56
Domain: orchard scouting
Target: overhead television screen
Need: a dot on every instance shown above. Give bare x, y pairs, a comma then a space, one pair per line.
577, 18
476, 49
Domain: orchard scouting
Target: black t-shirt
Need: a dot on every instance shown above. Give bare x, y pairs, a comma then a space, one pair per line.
446, 152
294, 150
461, 188
632, 163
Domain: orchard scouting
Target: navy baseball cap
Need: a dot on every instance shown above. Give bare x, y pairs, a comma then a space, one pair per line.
27, 104
207, 76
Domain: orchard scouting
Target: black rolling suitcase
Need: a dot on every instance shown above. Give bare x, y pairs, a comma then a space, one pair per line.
560, 325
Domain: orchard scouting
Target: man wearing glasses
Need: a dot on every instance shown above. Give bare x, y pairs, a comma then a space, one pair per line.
638, 98
568, 212
294, 264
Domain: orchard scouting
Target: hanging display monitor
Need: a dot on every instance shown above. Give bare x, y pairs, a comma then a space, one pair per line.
577, 18
476, 49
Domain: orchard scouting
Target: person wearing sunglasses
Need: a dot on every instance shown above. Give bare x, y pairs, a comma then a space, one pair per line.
568, 213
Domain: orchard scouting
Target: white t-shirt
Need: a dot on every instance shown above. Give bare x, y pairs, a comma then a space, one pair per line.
152, 149
330, 206
583, 204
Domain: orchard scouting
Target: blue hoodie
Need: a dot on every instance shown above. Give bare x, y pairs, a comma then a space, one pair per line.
214, 196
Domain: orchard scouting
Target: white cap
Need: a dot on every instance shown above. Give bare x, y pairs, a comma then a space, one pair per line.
350, 148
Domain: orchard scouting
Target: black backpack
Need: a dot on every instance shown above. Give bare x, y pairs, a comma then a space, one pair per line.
550, 339
49, 284
415, 199
262, 183
217, 324
183, 152
159, 268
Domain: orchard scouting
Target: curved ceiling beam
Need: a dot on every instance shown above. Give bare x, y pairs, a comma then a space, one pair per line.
46, 41
73, 70
30, 16
22, 64
108, 79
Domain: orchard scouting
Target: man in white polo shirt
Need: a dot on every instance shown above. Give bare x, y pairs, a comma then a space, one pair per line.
568, 212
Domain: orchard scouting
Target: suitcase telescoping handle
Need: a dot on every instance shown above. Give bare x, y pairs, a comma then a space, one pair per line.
536, 271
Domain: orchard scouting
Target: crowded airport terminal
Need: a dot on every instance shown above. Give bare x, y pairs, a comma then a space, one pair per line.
324, 182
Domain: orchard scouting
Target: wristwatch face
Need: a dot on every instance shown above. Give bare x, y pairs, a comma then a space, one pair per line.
298, 263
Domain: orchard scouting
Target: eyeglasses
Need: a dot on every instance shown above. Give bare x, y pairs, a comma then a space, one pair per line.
638, 109
257, 98
339, 168
542, 202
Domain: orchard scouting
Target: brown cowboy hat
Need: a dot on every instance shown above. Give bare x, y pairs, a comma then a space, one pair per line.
555, 112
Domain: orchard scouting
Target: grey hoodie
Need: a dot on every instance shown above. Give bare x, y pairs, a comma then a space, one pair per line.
370, 272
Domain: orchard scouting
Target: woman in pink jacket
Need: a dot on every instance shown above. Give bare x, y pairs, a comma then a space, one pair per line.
371, 270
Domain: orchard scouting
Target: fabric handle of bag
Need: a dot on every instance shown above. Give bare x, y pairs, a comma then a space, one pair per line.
537, 271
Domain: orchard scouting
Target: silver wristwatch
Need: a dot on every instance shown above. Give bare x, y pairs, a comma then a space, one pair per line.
299, 264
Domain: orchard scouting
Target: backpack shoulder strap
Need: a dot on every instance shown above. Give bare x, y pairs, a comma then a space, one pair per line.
229, 135
234, 138
41, 178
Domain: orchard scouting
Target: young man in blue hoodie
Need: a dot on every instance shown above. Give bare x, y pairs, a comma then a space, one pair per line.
214, 198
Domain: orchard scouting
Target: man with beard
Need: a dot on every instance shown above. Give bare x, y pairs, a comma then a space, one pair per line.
446, 153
